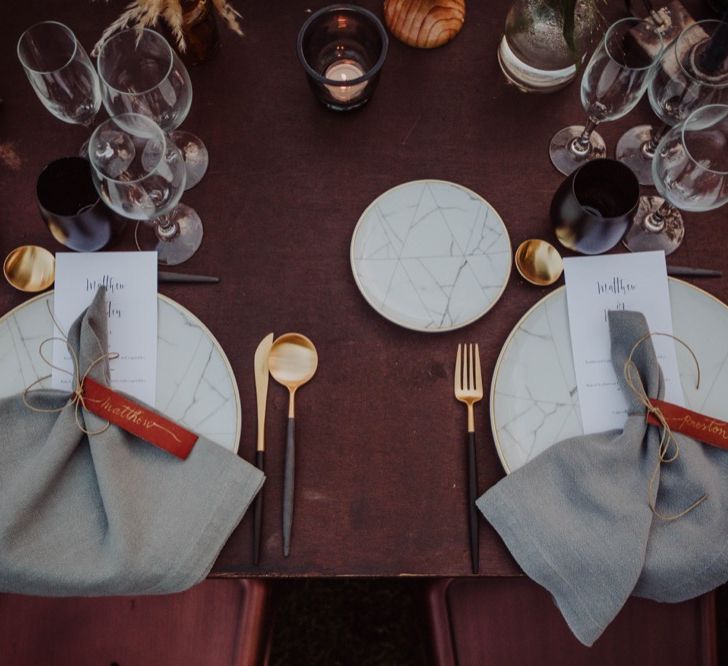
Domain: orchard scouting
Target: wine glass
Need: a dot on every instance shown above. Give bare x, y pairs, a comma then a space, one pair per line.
141, 73
613, 82
693, 72
690, 170
140, 174
60, 72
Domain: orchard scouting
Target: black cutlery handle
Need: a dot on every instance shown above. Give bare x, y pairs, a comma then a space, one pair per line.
288, 483
185, 278
258, 515
472, 509
687, 271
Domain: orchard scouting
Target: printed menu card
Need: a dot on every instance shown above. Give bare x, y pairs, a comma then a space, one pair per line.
130, 279
595, 285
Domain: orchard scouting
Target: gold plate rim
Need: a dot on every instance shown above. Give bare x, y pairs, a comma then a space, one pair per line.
509, 339
181, 308
377, 309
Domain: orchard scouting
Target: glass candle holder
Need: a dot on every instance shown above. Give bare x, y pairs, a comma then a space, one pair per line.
342, 48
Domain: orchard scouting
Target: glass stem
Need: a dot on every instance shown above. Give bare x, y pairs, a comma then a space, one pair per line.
649, 147
582, 144
655, 222
165, 227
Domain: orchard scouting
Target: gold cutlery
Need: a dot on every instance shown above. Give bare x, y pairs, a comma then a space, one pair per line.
30, 268
538, 262
469, 389
260, 365
292, 361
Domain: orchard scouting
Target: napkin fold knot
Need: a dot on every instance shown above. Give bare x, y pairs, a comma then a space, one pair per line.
86, 514
76, 397
575, 517
669, 448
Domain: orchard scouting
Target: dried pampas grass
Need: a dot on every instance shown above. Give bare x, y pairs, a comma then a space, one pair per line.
147, 13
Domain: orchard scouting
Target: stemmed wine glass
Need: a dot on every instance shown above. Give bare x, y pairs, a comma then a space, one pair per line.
690, 170
693, 72
141, 73
140, 174
613, 82
60, 72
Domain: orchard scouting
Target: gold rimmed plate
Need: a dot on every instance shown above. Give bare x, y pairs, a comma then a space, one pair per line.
534, 402
195, 382
431, 255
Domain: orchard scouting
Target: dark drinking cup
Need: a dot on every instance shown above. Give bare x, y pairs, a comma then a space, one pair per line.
593, 208
70, 206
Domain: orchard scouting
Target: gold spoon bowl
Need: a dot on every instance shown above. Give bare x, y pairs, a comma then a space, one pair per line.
30, 268
538, 262
292, 361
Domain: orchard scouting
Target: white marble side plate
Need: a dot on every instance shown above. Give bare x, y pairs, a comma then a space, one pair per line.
534, 402
431, 255
195, 383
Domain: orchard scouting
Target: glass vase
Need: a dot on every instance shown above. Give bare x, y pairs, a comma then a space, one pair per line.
199, 29
545, 42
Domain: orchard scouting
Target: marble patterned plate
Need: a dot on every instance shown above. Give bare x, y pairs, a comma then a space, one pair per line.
534, 401
195, 383
431, 255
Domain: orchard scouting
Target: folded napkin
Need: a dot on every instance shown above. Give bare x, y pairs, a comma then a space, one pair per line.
108, 514
577, 517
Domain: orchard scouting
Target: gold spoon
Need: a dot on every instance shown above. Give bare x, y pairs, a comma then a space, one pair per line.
30, 268
292, 361
538, 262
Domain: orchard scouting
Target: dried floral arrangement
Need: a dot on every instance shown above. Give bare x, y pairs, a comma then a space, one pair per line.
147, 13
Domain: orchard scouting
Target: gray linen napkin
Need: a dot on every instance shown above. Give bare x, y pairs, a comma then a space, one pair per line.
577, 520
108, 514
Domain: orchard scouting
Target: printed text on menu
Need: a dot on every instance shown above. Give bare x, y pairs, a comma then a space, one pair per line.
130, 279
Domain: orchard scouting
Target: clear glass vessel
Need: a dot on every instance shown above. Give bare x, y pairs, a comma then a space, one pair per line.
60, 72
541, 48
614, 80
686, 78
140, 174
141, 73
690, 171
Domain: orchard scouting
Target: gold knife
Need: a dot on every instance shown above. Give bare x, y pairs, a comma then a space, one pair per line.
260, 365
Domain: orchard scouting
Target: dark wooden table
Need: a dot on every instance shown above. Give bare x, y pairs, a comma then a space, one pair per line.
380, 471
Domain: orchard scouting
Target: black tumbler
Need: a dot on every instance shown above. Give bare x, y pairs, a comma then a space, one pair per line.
593, 208
70, 206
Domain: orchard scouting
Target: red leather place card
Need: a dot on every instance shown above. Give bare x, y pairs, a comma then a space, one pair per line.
698, 426
137, 419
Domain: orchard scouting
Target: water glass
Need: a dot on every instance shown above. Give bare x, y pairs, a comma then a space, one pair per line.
690, 171
140, 174
60, 72
613, 82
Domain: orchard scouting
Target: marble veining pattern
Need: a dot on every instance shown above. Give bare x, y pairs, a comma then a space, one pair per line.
195, 384
431, 255
534, 400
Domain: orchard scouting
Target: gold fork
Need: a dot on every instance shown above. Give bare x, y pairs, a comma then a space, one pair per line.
469, 389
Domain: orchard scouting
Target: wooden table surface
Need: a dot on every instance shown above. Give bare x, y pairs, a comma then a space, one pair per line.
380, 486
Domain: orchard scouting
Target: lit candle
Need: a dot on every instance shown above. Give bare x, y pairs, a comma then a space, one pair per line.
345, 70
